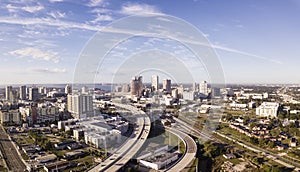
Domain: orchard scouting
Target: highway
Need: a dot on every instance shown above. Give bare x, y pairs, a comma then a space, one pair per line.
281, 160
10, 154
120, 157
189, 154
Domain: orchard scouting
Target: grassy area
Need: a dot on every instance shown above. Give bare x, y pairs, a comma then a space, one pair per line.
192, 166
195, 120
85, 163
24, 140
170, 139
233, 112
24, 156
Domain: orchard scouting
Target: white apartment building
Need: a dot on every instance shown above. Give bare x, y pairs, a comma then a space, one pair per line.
10, 117
80, 105
268, 109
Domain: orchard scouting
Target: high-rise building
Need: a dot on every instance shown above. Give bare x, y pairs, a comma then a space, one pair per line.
33, 94
8, 91
203, 88
215, 92
154, 83
23, 92
84, 90
10, 94
41, 90
68, 89
180, 91
80, 105
125, 88
137, 86
175, 93
10, 117
195, 87
167, 85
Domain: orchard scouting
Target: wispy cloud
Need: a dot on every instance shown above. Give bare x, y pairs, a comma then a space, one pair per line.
137, 8
102, 17
126, 9
97, 3
36, 54
245, 53
47, 22
57, 14
31, 9
47, 70
53, 1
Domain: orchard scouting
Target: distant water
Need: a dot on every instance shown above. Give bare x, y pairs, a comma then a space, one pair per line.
106, 87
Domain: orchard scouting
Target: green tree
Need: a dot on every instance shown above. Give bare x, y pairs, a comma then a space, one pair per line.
246, 120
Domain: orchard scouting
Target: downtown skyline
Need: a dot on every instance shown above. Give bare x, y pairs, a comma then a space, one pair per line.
256, 41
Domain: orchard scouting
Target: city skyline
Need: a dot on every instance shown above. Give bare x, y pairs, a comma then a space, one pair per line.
41, 41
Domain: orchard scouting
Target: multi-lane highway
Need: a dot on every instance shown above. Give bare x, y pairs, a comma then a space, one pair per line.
120, 157
10, 154
190, 151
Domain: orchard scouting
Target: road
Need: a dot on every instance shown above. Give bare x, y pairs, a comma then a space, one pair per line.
281, 160
120, 157
10, 154
190, 151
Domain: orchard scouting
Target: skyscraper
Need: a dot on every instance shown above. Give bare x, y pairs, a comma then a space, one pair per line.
23, 92
154, 83
10, 94
8, 91
33, 94
137, 86
68, 89
203, 89
167, 85
195, 87
80, 105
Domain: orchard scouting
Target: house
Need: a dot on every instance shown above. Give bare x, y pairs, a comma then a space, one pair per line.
229, 156
56, 167
293, 142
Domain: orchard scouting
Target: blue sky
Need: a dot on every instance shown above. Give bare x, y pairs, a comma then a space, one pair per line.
256, 41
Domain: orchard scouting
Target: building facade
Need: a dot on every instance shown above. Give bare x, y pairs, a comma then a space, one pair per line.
167, 85
268, 109
80, 105
155, 82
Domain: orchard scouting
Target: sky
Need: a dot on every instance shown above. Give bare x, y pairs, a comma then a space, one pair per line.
256, 42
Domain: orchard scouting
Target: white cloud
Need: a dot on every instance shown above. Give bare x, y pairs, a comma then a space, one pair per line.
101, 18
57, 14
47, 70
36, 54
47, 22
134, 8
10, 8
33, 9
96, 3
53, 1
69, 25
100, 10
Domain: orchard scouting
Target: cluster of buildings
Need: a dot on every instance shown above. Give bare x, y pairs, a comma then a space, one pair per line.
96, 131
170, 93
157, 156
261, 131
35, 105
